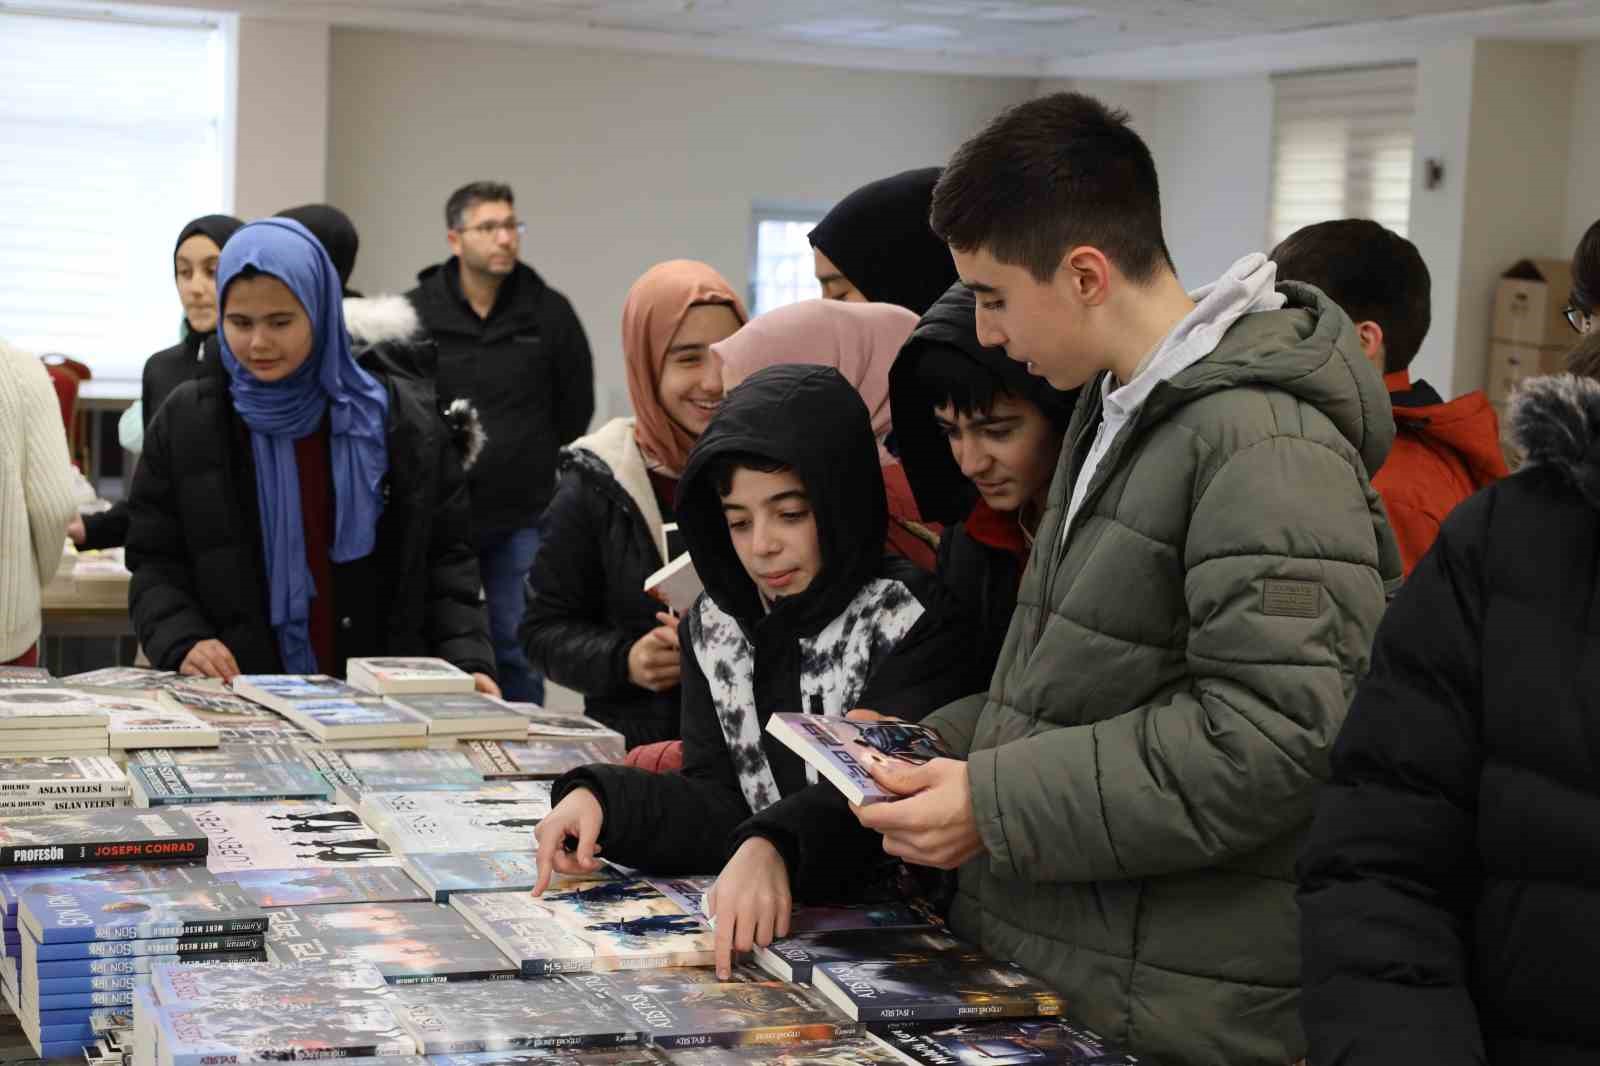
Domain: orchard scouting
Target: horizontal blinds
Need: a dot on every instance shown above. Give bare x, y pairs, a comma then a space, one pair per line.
1342, 147
110, 140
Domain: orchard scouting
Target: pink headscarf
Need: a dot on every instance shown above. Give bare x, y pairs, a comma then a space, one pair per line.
860, 340
651, 316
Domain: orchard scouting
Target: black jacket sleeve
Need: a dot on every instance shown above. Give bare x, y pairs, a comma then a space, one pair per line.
825, 846
671, 823
107, 529
1389, 873
564, 628
573, 402
456, 626
166, 612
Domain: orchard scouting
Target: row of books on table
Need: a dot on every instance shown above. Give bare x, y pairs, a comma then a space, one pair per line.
231, 883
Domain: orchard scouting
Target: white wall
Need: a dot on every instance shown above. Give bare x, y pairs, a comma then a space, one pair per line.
1583, 162
281, 125
1438, 216
1516, 189
618, 160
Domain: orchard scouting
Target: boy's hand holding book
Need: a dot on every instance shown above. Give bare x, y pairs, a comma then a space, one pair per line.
654, 661
934, 824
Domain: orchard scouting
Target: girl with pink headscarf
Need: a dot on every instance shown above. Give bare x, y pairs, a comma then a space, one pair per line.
860, 340
589, 625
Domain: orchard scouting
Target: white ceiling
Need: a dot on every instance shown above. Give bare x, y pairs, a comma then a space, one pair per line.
1134, 39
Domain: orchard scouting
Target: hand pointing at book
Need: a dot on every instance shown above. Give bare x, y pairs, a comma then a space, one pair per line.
750, 904
567, 838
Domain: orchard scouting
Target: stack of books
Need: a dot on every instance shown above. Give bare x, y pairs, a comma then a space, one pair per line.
410, 675
49, 720
247, 837
409, 943
12, 676
61, 1000
49, 784
123, 681
457, 716
137, 723
498, 818
333, 712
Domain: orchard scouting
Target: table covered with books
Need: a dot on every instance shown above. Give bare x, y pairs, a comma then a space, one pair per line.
301, 867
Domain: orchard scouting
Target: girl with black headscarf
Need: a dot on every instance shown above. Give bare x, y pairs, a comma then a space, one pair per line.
876, 246
194, 269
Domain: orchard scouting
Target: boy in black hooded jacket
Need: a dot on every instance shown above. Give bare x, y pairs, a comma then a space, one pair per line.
782, 506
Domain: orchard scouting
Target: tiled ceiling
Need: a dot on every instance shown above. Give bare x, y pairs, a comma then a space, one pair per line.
1026, 29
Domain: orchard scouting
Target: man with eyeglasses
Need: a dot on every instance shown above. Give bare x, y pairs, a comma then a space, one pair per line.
511, 346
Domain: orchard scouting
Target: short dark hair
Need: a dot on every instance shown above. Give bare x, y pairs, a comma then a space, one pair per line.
472, 194
1584, 359
1375, 274
951, 377
1050, 174
723, 467
1586, 270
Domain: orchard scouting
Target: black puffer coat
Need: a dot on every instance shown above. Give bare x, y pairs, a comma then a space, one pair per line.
870, 632
586, 602
1450, 889
195, 546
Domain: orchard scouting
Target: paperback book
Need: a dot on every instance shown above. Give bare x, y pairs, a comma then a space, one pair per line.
204, 1036
156, 786
942, 988
408, 675
43, 706
35, 954
66, 969
287, 836
17, 885
676, 585
512, 1015
310, 888
537, 758
226, 755
24, 675
793, 958
592, 926
460, 713
542, 723
496, 819
145, 723
27, 808
841, 750
93, 912
355, 773
1037, 1042
443, 873
45, 778
116, 835
213, 698
846, 1051
678, 1014
282, 691
356, 718
624, 1056
126, 680
267, 983
410, 943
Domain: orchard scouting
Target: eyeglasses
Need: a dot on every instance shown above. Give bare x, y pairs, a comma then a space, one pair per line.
489, 229
1580, 320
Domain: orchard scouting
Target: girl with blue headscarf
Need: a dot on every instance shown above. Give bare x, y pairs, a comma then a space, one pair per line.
304, 503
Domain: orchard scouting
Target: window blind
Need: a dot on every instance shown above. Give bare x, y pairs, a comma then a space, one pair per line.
110, 140
1342, 147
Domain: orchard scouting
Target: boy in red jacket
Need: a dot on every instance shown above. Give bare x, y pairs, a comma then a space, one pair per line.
1443, 452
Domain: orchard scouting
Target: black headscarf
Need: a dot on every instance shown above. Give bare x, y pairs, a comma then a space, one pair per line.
949, 332
880, 240
336, 233
218, 227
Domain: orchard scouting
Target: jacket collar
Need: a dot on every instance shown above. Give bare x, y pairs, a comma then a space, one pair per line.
613, 445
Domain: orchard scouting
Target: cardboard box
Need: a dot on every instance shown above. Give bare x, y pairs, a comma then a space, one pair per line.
1511, 364
1528, 305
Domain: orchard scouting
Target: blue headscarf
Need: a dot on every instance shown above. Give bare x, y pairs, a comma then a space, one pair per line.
279, 413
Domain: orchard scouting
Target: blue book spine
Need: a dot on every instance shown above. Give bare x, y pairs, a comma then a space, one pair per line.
75, 1000
130, 964
51, 1048
60, 986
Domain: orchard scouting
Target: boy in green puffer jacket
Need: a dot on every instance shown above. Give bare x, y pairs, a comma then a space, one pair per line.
1197, 609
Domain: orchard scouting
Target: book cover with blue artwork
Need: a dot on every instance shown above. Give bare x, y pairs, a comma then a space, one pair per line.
1036, 1042
941, 988
204, 1036
410, 943
155, 786
847, 1051
14, 884
512, 1015
323, 886
90, 912
678, 1014
443, 873
270, 983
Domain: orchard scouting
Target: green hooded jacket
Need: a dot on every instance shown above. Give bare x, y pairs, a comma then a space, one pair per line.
1144, 765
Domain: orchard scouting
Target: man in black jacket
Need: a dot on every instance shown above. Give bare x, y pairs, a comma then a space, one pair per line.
513, 347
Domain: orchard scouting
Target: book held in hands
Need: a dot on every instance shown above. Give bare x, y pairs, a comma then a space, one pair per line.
841, 750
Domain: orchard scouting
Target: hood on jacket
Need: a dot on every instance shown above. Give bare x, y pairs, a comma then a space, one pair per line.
810, 418
880, 239
1309, 349
1555, 422
944, 494
1466, 425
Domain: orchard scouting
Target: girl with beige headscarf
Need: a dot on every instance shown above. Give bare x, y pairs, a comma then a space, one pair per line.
860, 340
589, 625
